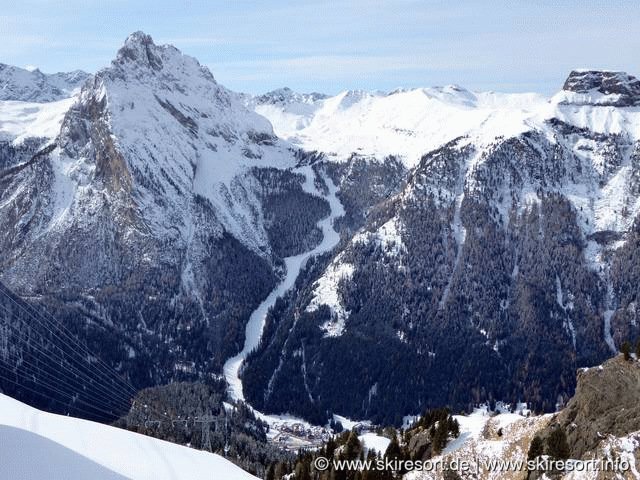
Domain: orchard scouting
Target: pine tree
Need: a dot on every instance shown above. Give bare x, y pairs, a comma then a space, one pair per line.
302, 471
638, 348
271, 472
626, 350
393, 450
536, 448
441, 437
330, 448
353, 446
278, 470
557, 445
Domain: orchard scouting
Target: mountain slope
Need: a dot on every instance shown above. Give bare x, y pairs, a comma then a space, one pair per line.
154, 218
492, 275
488, 246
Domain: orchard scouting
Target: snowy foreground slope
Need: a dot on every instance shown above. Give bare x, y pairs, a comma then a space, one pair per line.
39, 445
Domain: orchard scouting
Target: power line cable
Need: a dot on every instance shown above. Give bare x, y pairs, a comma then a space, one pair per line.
105, 389
31, 373
7, 293
41, 368
70, 337
108, 414
42, 321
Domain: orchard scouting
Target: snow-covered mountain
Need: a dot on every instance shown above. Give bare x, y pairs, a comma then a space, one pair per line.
36, 444
505, 251
24, 85
403, 123
156, 200
603, 88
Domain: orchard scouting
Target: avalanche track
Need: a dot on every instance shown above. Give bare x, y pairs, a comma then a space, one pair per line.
294, 265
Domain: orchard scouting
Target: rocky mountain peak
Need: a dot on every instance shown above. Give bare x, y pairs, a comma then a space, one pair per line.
611, 88
284, 96
139, 48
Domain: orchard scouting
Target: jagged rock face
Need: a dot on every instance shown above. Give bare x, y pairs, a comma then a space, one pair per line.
605, 403
18, 84
619, 88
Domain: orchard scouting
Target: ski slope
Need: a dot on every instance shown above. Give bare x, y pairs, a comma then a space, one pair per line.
294, 264
37, 445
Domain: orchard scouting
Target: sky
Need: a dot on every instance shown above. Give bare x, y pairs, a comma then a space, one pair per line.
329, 46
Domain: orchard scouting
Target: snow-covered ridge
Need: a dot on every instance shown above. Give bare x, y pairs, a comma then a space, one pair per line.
404, 123
36, 444
24, 85
408, 123
286, 96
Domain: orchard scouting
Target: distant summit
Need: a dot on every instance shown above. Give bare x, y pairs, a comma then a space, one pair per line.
604, 88
285, 96
27, 85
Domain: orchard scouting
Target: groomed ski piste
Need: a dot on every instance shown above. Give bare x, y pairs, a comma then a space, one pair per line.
36, 445
294, 264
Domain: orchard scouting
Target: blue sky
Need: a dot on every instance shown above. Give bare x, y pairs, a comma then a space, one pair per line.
329, 46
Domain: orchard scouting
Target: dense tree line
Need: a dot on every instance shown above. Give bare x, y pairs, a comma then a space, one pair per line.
174, 413
290, 213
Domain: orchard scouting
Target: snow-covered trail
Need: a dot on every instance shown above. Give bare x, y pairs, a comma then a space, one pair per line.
294, 265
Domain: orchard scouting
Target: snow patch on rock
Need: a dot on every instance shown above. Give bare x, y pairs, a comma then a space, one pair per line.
326, 292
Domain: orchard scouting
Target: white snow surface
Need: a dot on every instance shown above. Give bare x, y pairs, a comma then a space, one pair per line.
294, 265
405, 123
36, 445
375, 442
22, 120
471, 427
350, 424
388, 236
326, 293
